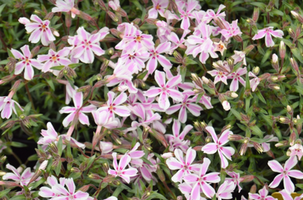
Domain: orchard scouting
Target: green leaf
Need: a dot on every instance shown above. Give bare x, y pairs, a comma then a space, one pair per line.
4, 192
50, 83
236, 114
258, 4
277, 12
19, 197
60, 67
74, 65
1, 8
189, 61
260, 96
59, 146
18, 144
183, 73
256, 131
296, 52
140, 134
266, 56
58, 168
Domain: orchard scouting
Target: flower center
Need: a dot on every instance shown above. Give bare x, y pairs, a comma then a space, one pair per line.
158, 7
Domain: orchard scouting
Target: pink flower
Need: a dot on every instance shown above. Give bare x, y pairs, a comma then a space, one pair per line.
188, 104
159, 6
39, 29
268, 33
136, 155
177, 139
26, 62
102, 118
254, 82
201, 181
286, 173
185, 15
54, 59
133, 60
296, 150
22, 179
165, 90
50, 135
210, 14
262, 195
77, 111
217, 145
58, 191
115, 4
183, 165
86, 44
225, 190
235, 178
231, 30
239, 56
114, 105
155, 57
7, 105
119, 170
236, 78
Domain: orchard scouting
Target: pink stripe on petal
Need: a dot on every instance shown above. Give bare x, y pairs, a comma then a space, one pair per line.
277, 33
46, 192
114, 154
112, 172
210, 148
178, 176
191, 178
163, 47
175, 94
130, 172
195, 193
16, 54
275, 183
295, 174
19, 68
68, 119
179, 155
122, 111
164, 62
160, 78
194, 109
234, 86
83, 119
125, 178
173, 81
176, 128
288, 185
182, 115
70, 185
35, 36
268, 40
97, 50
78, 51
260, 34
275, 166
83, 33
146, 174
224, 161
173, 163
78, 99
163, 101
26, 52
11, 176
28, 72
204, 166
81, 195
208, 190
120, 99
185, 23
212, 132
186, 129
228, 152
173, 109
124, 161
152, 92
60, 189
290, 163
151, 65
87, 56
224, 137
190, 156
6, 112
36, 19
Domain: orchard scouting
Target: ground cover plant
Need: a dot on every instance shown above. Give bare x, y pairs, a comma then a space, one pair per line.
162, 99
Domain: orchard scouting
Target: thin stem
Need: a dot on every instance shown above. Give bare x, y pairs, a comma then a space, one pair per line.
29, 96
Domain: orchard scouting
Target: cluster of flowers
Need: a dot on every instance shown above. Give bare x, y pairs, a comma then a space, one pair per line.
204, 33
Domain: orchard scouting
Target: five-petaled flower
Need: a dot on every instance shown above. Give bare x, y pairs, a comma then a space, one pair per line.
76, 113
26, 62
285, 173
22, 179
39, 29
262, 195
165, 90
268, 33
217, 145
119, 170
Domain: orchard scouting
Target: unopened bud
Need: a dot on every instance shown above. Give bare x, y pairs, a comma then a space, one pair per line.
292, 138
291, 33
94, 176
198, 126
160, 174
273, 78
243, 149
276, 87
282, 143
177, 56
197, 80
256, 70
35, 50
288, 108
247, 178
294, 64
282, 50
167, 155
226, 105
205, 80
256, 14
253, 189
233, 95
258, 147
75, 170
297, 16
113, 16
233, 137
56, 33
208, 139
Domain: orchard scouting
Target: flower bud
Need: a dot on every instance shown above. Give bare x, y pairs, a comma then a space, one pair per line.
233, 95
233, 137
197, 80
258, 147
256, 70
205, 80
113, 16
247, 178
167, 155
297, 16
273, 78
178, 56
226, 105
160, 174
243, 149
94, 176
208, 139
253, 189
294, 64
256, 14
288, 108
292, 138
282, 50
291, 33
282, 143
275, 62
